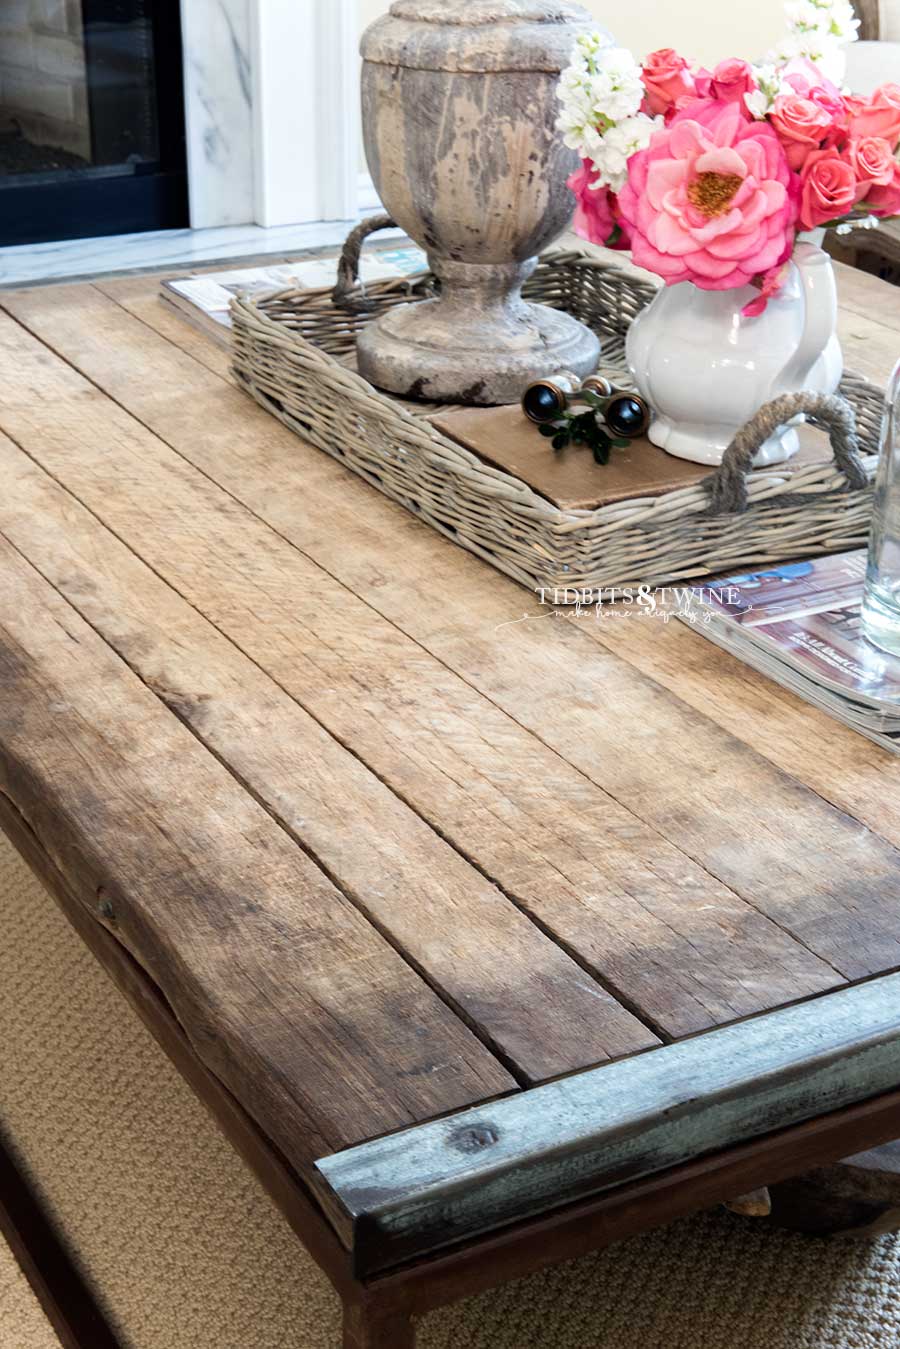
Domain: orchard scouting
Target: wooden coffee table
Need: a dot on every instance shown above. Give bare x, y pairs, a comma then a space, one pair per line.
487, 937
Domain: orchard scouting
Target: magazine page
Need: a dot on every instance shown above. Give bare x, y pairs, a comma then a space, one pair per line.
807, 614
212, 293
875, 722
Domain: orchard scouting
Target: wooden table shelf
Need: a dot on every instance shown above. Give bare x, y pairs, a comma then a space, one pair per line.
603, 922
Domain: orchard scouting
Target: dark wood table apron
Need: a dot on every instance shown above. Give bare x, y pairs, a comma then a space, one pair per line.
487, 937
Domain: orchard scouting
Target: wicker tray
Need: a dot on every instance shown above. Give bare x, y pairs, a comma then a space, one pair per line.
294, 352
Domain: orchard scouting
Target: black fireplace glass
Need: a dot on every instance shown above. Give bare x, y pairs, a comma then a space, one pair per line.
91, 119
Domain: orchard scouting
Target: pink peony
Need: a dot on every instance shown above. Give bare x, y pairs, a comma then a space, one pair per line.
731, 80
711, 200
593, 214
667, 79
871, 160
828, 188
885, 200
878, 115
802, 125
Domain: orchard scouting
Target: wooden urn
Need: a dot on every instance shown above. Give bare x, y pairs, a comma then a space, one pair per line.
460, 105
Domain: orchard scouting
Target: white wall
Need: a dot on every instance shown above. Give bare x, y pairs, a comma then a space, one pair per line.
706, 30
702, 30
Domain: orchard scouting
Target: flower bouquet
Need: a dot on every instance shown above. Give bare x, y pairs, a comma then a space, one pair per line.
716, 179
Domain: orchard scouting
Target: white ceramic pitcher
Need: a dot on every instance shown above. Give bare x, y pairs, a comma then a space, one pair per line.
705, 369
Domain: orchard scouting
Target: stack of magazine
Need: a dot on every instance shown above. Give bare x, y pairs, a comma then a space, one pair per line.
205, 300
800, 624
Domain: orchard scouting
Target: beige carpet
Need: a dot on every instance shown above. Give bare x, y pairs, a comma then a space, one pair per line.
187, 1252
22, 1323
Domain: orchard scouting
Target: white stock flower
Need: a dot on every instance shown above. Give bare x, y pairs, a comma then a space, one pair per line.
618, 144
616, 85
761, 100
600, 88
831, 18
588, 47
824, 51
818, 30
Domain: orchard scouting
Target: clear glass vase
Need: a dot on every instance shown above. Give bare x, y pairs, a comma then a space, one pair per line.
881, 598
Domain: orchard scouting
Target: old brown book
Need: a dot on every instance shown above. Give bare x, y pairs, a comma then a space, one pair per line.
570, 479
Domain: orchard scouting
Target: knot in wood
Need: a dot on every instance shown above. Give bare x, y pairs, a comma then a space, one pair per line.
105, 905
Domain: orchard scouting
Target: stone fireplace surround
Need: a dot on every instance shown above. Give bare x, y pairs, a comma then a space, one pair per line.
271, 96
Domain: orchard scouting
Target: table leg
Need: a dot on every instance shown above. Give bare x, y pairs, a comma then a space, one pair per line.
370, 1326
859, 1196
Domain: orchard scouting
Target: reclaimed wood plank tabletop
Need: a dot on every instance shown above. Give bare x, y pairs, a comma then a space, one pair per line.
570, 905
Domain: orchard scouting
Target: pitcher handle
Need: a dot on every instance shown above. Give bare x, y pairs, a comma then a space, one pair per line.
728, 488
819, 315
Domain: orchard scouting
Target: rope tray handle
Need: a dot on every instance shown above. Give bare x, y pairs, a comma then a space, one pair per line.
728, 488
348, 294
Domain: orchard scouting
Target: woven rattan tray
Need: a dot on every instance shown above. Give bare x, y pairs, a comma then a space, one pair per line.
294, 351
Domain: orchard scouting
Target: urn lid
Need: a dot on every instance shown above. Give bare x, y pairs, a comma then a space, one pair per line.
477, 35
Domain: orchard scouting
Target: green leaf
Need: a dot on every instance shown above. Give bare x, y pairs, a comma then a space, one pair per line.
547, 430
561, 441
622, 444
601, 454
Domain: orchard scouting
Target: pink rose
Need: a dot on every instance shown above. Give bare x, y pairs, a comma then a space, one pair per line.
711, 200
885, 200
770, 284
808, 81
871, 160
802, 126
828, 188
667, 79
878, 115
805, 76
731, 80
593, 213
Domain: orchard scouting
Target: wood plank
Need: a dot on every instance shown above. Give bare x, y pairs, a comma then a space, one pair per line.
811, 869
870, 344
388, 861
866, 294
660, 932
400, 1197
844, 768
139, 296
475, 1266
274, 1172
321, 1028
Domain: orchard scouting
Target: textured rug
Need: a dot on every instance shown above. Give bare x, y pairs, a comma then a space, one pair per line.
186, 1251
22, 1323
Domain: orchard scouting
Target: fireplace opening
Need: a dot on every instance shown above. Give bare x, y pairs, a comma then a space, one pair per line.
91, 119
